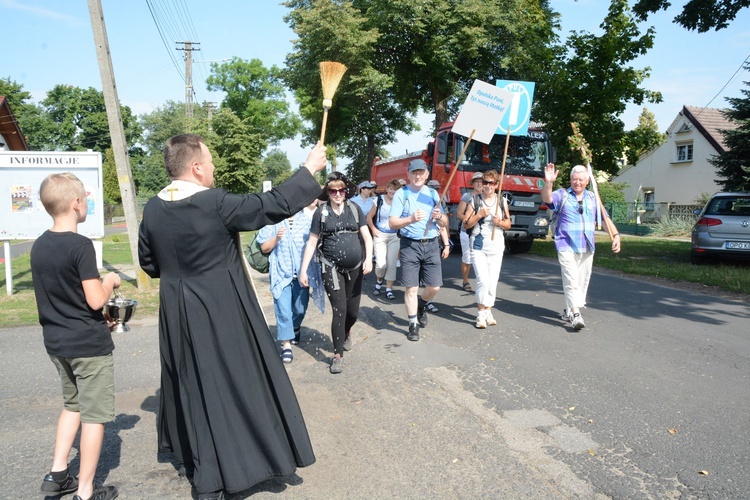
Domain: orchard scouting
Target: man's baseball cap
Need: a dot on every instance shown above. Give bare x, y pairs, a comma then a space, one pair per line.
367, 184
477, 175
417, 164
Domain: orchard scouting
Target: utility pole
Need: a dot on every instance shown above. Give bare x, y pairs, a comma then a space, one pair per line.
117, 133
210, 106
188, 48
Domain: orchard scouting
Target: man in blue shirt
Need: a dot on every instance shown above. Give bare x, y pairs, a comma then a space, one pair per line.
576, 211
415, 208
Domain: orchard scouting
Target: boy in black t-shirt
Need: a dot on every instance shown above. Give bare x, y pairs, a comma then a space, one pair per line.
70, 297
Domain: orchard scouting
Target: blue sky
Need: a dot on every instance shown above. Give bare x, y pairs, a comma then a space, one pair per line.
49, 42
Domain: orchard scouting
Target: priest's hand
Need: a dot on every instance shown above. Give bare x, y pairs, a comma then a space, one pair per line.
316, 160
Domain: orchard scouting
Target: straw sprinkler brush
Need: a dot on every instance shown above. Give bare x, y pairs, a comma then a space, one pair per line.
330, 75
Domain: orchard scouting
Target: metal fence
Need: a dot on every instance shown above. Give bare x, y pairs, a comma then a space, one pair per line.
116, 213
635, 217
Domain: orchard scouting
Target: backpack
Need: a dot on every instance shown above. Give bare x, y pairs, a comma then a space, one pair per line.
377, 210
476, 203
556, 214
255, 257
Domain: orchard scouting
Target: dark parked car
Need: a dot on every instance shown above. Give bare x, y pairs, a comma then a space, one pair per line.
723, 229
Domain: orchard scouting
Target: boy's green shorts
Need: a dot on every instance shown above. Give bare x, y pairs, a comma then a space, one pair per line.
88, 386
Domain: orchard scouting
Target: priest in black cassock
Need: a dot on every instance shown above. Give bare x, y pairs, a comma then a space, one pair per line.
227, 408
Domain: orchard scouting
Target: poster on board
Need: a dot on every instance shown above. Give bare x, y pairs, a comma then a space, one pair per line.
22, 215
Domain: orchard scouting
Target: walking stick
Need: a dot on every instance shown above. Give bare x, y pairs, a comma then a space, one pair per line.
577, 142
453, 173
500, 186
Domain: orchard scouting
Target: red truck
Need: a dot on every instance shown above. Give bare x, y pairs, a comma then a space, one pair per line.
524, 176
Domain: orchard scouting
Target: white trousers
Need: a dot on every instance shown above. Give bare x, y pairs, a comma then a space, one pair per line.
576, 272
386, 247
487, 270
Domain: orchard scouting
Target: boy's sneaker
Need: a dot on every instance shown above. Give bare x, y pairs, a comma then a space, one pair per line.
101, 493
422, 318
577, 322
481, 321
413, 334
566, 315
430, 307
489, 319
66, 485
337, 364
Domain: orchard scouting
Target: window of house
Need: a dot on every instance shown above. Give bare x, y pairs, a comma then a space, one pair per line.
648, 199
685, 151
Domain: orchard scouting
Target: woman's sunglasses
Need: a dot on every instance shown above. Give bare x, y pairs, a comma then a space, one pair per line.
488, 183
337, 191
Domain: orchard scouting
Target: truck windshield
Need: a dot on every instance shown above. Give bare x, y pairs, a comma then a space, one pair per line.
526, 155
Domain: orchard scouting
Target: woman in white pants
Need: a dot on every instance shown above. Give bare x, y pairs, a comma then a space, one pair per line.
481, 217
385, 240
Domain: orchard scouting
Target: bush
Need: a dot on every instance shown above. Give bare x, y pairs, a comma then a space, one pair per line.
674, 227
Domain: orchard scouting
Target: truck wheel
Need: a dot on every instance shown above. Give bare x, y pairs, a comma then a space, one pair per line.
515, 246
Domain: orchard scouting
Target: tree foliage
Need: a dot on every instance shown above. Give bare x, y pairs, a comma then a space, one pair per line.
256, 95
75, 119
276, 167
733, 165
591, 84
644, 138
111, 184
237, 152
364, 113
700, 15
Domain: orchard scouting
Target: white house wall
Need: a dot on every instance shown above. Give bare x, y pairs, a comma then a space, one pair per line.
681, 183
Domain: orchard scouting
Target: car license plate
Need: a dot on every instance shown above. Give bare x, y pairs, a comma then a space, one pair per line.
517, 203
737, 245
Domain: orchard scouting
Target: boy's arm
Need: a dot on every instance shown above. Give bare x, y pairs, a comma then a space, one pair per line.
98, 292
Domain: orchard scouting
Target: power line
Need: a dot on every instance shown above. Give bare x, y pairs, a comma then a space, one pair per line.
731, 79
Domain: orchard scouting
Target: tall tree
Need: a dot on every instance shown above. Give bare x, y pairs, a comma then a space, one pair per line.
591, 83
256, 95
733, 165
237, 147
437, 49
643, 138
700, 15
77, 120
276, 167
364, 114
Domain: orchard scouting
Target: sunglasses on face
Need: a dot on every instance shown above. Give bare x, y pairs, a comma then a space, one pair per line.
488, 183
340, 191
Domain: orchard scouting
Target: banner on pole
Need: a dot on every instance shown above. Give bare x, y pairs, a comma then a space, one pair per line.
518, 118
483, 109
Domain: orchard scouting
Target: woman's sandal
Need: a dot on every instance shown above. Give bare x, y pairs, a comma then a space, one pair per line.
467, 286
287, 356
389, 295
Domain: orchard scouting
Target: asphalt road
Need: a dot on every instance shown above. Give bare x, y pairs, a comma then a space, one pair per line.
650, 400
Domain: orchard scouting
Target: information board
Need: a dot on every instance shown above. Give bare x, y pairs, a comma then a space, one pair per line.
22, 215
